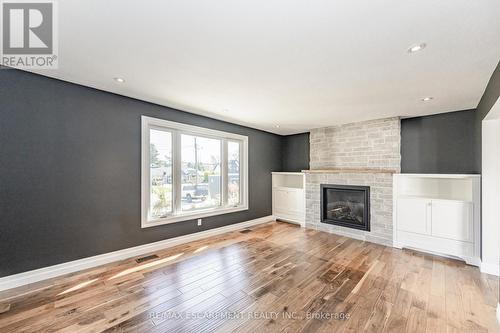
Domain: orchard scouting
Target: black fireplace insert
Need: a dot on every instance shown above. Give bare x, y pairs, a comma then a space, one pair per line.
346, 206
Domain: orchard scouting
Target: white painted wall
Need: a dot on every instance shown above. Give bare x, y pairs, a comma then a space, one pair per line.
491, 192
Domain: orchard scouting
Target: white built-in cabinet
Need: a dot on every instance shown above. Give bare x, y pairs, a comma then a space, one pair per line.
289, 196
439, 214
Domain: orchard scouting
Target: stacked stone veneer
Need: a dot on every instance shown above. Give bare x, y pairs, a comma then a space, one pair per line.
370, 144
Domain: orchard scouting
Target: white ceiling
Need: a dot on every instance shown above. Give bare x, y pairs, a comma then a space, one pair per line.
300, 64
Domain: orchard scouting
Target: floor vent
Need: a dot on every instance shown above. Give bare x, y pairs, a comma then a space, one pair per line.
246, 231
146, 258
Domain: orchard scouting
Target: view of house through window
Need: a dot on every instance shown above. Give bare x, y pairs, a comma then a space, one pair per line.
191, 171
200, 172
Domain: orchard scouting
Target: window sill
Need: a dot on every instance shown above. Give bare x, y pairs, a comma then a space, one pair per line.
192, 216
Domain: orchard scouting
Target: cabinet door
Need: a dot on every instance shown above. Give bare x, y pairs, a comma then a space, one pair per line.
413, 215
452, 220
281, 203
296, 201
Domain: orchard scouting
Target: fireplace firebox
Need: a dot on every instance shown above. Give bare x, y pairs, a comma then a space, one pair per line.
346, 206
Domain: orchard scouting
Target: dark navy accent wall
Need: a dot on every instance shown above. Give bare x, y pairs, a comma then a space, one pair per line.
442, 143
296, 152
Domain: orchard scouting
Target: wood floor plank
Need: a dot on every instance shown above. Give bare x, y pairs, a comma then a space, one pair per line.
417, 320
436, 314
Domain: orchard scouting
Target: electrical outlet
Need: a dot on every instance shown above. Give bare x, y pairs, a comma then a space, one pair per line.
199, 222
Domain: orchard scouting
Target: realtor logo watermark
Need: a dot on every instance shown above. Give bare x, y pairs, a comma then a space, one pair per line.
29, 34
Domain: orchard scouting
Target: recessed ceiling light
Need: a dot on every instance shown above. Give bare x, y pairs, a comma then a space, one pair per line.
426, 99
119, 79
277, 126
416, 48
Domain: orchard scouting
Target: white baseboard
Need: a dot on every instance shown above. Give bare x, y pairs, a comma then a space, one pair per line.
474, 261
21, 279
300, 223
490, 268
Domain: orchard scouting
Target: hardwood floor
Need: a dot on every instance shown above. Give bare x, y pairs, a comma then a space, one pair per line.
274, 278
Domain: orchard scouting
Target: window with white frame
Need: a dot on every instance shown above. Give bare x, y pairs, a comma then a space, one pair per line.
191, 172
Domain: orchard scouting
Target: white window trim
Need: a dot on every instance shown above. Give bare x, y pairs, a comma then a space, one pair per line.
177, 129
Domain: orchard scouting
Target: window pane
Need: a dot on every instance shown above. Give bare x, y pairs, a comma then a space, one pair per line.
233, 167
201, 172
160, 171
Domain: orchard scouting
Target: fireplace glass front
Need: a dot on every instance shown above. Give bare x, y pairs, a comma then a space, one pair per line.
347, 206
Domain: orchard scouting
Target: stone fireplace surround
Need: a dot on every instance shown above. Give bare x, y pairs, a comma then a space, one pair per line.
363, 154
